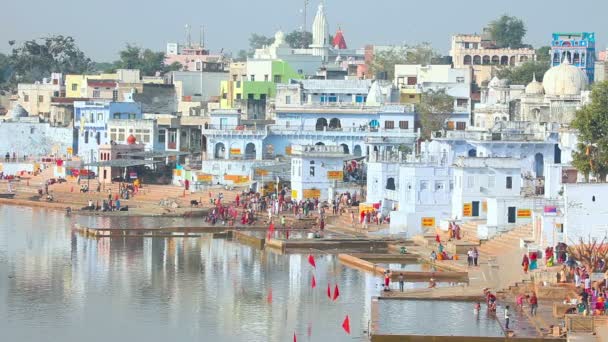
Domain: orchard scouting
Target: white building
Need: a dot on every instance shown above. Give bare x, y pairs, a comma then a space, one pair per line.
586, 214
314, 170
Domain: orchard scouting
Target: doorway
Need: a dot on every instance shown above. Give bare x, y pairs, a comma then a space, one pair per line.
475, 209
511, 215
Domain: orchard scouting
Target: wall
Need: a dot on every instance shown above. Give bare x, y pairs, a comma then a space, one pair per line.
586, 213
200, 85
34, 93
35, 139
377, 178
302, 180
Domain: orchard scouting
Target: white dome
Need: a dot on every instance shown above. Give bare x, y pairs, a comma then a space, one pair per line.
564, 80
279, 38
535, 87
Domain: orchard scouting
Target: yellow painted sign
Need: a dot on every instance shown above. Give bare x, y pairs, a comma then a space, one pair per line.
484, 206
204, 178
70, 150
428, 222
235, 151
335, 175
294, 193
467, 210
261, 172
312, 193
177, 172
237, 179
288, 150
365, 207
524, 213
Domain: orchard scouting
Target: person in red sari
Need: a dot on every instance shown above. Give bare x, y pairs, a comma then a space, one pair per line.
525, 263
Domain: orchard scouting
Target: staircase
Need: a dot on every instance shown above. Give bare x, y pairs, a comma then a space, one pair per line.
506, 241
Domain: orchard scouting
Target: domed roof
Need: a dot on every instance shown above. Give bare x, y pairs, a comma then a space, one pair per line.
279, 38
535, 87
565, 79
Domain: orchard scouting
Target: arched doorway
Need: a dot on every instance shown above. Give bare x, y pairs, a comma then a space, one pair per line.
220, 151
335, 123
472, 152
390, 184
345, 148
476, 60
495, 60
250, 151
504, 60
204, 144
468, 60
357, 151
485, 60
539, 164
321, 124
320, 144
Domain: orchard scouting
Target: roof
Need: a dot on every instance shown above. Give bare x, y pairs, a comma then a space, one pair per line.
339, 41
121, 163
102, 83
153, 154
337, 86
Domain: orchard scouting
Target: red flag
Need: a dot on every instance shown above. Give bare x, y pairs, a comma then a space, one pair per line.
271, 227
314, 282
294, 337
311, 260
328, 291
346, 325
269, 299
336, 292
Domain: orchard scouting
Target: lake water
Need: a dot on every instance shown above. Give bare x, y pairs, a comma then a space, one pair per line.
58, 286
419, 317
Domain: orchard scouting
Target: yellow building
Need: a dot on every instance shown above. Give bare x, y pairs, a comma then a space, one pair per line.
76, 85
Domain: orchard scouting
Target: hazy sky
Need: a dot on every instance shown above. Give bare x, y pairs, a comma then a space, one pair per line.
102, 27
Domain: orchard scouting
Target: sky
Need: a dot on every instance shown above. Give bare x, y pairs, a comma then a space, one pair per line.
103, 27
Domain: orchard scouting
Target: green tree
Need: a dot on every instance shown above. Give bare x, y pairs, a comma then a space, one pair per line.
543, 54
5, 68
241, 56
435, 107
258, 41
38, 58
591, 121
297, 40
523, 73
507, 31
146, 60
385, 60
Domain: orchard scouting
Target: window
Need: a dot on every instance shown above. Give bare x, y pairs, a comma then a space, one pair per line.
459, 79
74, 86
509, 182
461, 126
404, 124
389, 124
121, 134
239, 96
491, 182
234, 77
98, 137
424, 185
300, 71
161, 136
40, 98
462, 102
116, 116
91, 117
412, 80
360, 98
277, 78
287, 99
411, 96
470, 181
265, 78
252, 78
99, 116
86, 137
113, 134
224, 96
238, 84
312, 168
115, 95
132, 116
26, 98
439, 186
96, 94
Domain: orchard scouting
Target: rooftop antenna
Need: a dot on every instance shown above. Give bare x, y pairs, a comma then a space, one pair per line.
188, 36
201, 42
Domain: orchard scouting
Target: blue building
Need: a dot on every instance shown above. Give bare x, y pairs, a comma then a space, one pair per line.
577, 48
91, 123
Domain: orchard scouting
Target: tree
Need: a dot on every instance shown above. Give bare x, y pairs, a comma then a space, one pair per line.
38, 58
589, 253
5, 69
258, 41
435, 107
523, 73
241, 56
543, 54
297, 40
591, 121
385, 60
146, 60
507, 32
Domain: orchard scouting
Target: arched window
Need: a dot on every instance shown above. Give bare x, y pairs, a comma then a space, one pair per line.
468, 60
390, 184
321, 124
485, 60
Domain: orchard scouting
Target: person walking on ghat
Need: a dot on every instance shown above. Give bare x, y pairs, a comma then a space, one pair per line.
475, 255
401, 282
507, 317
533, 304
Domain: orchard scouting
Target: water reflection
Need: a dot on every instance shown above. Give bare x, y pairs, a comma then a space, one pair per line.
58, 284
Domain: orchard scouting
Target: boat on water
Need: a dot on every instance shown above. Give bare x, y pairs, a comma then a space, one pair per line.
7, 194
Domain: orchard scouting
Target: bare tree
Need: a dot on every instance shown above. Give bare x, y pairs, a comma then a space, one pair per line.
590, 252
